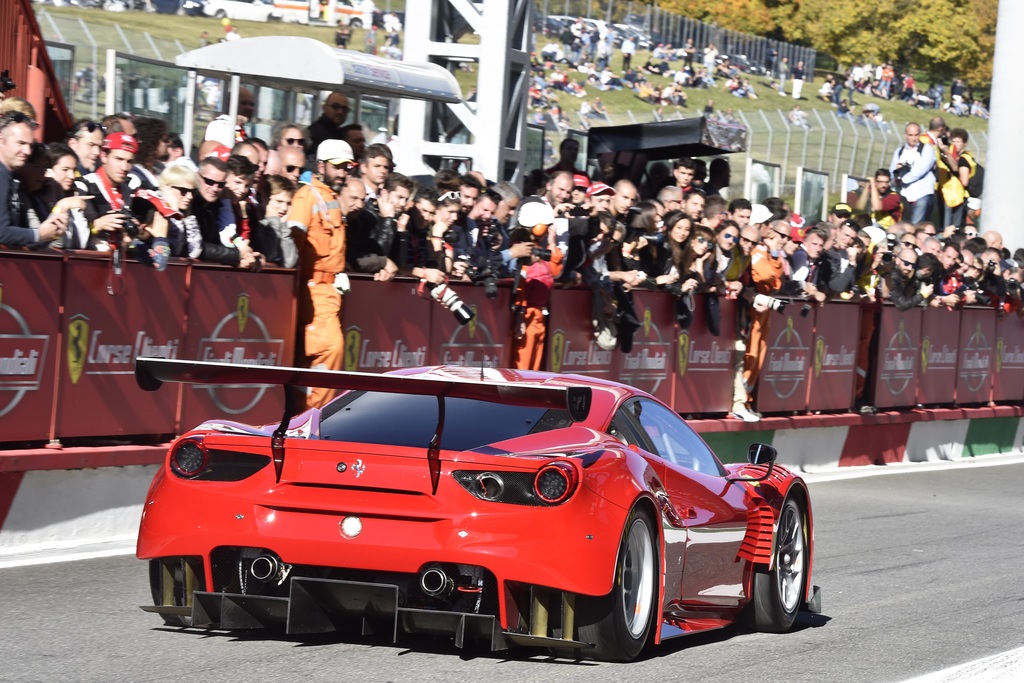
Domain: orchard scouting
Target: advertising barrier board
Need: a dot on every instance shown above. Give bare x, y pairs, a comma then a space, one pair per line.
940, 336
834, 356
896, 363
977, 347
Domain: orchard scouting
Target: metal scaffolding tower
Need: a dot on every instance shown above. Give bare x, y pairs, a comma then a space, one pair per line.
490, 128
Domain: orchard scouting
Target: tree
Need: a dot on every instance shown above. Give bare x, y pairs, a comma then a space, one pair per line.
749, 16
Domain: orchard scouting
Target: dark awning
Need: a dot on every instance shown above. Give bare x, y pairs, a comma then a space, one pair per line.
696, 137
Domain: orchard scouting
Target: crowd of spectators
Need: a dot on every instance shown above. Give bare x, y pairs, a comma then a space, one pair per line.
321, 200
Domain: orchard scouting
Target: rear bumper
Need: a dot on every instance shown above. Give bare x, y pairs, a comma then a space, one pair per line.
570, 547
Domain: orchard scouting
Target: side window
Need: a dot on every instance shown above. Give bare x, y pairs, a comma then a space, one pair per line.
622, 430
674, 440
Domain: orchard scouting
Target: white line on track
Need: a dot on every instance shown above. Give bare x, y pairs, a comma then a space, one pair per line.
912, 467
1005, 667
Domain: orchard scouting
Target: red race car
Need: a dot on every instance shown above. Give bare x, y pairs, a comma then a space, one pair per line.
497, 507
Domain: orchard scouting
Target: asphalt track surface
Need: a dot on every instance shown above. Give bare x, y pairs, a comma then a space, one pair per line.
920, 571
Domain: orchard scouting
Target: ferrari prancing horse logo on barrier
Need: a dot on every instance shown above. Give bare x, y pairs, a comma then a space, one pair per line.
78, 345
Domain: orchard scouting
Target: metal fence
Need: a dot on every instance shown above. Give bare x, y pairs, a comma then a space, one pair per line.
91, 42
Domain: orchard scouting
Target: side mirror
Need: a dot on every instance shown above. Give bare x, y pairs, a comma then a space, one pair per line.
758, 454
761, 454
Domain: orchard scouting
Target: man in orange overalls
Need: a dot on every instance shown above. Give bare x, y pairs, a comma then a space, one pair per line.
319, 209
766, 270
535, 282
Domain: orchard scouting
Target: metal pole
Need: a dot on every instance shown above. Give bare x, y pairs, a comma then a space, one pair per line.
153, 46
867, 157
127, 45
821, 151
53, 24
110, 105
181, 49
789, 131
95, 69
768, 126
803, 153
856, 144
839, 143
750, 136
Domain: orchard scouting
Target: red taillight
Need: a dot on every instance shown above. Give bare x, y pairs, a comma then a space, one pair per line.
189, 458
555, 482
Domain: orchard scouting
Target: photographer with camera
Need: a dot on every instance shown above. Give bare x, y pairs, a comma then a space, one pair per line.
948, 278
880, 201
535, 278
110, 187
913, 173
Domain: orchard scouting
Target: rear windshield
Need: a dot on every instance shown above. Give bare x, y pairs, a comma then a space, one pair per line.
405, 420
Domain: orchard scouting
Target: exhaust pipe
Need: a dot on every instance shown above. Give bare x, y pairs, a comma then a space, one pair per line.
436, 583
265, 567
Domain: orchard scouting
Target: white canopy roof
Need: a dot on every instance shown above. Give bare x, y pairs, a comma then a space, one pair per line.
308, 63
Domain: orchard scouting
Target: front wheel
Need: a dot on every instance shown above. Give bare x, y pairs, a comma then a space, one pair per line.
355, 23
220, 14
779, 593
619, 624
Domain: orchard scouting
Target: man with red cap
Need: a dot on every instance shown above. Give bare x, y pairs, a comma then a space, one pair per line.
110, 187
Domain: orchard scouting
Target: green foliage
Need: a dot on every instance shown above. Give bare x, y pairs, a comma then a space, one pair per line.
750, 16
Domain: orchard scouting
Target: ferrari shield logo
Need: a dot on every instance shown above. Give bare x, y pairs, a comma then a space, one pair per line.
926, 349
78, 345
557, 346
352, 341
819, 355
1000, 346
683, 352
472, 322
242, 311
789, 328
647, 322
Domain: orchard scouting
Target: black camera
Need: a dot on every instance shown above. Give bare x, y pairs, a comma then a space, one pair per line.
944, 139
542, 254
1012, 286
805, 310
990, 267
898, 173
129, 225
451, 236
891, 240
5, 81
481, 276
887, 257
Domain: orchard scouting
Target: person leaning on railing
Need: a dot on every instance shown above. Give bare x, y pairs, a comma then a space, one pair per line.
15, 147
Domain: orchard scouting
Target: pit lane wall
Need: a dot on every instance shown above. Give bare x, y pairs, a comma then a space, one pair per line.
70, 328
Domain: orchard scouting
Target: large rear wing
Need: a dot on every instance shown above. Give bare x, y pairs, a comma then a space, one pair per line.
151, 373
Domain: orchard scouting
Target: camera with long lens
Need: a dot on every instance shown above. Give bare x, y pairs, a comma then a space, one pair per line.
770, 302
451, 236
130, 225
898, 173
446, 296
1013, 287
944, 139
990, 267
481, 276
542, 254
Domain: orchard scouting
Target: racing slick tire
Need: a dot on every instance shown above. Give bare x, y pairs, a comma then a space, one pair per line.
618, 625
778, 593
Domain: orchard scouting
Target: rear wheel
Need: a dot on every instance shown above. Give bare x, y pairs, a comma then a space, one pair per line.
220, 14
779, 593
355, 23
619, 624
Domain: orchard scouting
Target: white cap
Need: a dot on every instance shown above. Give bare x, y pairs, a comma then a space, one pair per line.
759, 213
334, 151
535, 213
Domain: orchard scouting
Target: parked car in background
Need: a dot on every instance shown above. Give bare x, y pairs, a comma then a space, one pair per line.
245, 10
352, 13
189, 7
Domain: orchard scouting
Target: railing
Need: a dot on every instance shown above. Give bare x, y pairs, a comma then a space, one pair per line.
67, 347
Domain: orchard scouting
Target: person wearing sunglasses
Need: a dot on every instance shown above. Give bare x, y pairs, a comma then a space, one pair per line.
221, 241
85, 138
291, 162
335, 110
178, 189
285, 135
902, 286
16, 146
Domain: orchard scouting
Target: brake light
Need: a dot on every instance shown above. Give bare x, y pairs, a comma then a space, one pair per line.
189, 458
555, 482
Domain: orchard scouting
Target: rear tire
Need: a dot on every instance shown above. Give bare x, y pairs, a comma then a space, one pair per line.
220, 14
779, 593
619, 624
355, 23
